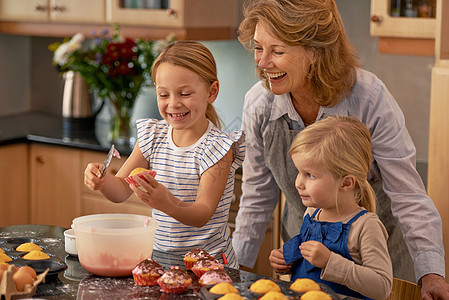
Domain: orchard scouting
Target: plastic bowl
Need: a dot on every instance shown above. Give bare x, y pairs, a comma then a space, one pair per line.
113, 244
70, 242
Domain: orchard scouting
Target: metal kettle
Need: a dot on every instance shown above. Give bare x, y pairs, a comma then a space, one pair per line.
77, 101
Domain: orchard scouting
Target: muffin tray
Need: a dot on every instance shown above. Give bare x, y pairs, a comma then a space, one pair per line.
244, 291
53, 264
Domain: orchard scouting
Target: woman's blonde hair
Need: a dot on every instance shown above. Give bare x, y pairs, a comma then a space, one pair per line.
343, 146
315, 25
195, 57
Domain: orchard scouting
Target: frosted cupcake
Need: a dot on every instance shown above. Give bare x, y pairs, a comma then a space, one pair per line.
147, 272
175, 281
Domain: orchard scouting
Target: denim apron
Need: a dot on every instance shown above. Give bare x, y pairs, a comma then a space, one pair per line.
276, 145
333, 235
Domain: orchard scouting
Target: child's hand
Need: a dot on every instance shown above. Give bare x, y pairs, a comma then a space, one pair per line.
150, 191
277, 261
315, 253
92, 176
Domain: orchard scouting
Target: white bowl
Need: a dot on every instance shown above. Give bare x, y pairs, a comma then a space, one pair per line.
113, 244
70, 242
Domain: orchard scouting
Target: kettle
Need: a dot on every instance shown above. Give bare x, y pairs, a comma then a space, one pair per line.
77, 101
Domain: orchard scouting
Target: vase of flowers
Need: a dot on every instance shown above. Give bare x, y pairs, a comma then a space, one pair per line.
114, 67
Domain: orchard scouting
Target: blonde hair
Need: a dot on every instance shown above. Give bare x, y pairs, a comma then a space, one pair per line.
197, 58
343, 146
315, 25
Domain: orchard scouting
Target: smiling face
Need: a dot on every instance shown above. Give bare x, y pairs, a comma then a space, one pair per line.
182, 98
316, 185
285, 66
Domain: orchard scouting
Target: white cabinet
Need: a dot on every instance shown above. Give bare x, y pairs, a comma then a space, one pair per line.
65, 11
384, 24
401, 35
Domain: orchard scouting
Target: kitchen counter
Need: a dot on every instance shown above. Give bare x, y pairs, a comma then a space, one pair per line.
50, 129
74, 282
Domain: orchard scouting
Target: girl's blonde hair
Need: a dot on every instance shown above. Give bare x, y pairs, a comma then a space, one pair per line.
343, 146
315, 25
195, 57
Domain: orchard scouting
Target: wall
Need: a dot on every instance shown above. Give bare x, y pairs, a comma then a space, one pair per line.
29, 81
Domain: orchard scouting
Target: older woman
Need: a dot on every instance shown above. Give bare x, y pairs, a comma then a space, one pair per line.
309, 70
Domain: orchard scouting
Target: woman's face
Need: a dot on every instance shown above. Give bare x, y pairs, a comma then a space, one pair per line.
285, 66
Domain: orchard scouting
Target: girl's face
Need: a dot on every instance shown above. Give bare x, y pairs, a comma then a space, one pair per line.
285, 66
316, 185
182, 97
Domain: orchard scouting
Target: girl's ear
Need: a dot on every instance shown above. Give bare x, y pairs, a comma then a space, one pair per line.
213, 92
347, 183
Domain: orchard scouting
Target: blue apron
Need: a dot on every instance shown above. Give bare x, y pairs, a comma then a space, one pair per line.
332, 235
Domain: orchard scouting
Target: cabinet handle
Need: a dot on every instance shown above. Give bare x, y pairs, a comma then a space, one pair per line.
40, 8
376, 19
59, 9
172, 13
41, 159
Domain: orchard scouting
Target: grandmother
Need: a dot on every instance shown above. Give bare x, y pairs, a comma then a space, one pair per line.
308, 70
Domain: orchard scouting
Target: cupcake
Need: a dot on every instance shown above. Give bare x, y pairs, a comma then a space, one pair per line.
263, 286
137, 171
223, 288
315, 295
214, 277
273, 295
191, 257
4, 258
206, 264
175, 280
301, 285
36, 255
147, 272
231, 296
28, 247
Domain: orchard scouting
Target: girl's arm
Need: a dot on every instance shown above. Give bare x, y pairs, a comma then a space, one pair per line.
115, 187
212, 184
372, 275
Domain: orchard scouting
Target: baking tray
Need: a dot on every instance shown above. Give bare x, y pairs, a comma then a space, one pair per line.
244, 291
54, 264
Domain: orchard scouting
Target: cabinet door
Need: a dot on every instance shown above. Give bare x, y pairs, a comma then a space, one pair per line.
24, 10
180, 13
93, 202
383, 24
84, 11
13, 185
56, 178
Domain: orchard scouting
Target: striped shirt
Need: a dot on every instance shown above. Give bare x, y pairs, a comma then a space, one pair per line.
180, 170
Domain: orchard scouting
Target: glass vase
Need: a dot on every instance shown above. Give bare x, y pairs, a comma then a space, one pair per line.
120, 130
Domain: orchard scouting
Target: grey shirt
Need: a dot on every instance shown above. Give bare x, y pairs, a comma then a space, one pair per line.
393, 163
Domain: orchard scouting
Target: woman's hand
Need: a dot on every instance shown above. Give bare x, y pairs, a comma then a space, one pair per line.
92, 176
434, 287
277, 261
315, 253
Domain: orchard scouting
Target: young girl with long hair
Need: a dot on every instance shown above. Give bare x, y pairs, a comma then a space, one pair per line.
194, 161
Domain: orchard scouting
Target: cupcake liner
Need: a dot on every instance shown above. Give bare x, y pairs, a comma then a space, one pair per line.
145, 279
200, 271
189, 263
172, 289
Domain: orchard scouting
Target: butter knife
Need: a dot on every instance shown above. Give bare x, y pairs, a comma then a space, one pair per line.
112, 152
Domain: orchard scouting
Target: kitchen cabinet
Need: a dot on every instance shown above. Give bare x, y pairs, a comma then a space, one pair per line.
401, 35
64, 11
55, 180
271, 240
13, 184
438, 171
186, 19
93, 202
